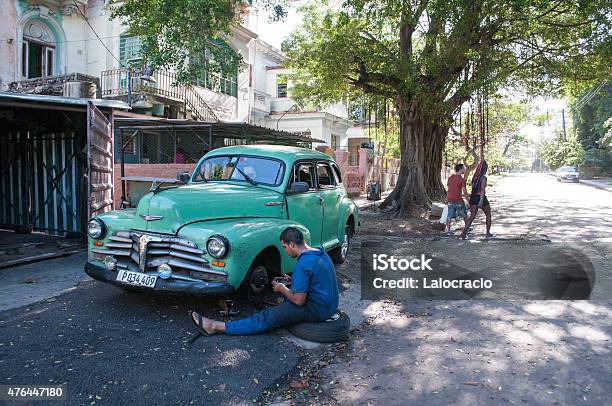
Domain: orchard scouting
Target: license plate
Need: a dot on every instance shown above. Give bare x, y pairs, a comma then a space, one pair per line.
136, 279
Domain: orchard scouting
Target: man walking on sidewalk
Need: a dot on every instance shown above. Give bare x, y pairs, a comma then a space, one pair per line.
313, 295
456, 190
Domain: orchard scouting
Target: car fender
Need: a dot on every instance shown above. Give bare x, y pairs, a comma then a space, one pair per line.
349, 208
247, 238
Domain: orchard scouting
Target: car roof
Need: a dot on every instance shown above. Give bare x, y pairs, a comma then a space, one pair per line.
284, 152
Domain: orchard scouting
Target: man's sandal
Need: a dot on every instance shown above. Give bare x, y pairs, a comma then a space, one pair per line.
201, 331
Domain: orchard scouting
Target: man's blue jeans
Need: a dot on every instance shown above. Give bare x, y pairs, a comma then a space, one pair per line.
285, 314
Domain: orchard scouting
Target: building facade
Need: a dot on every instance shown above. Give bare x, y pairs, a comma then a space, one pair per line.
72, 48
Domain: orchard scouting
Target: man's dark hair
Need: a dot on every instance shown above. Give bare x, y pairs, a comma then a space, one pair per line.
458, 167
292, 234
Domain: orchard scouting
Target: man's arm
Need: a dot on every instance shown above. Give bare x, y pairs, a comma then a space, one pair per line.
296, 298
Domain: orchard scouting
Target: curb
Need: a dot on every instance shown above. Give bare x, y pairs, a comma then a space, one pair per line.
596, 185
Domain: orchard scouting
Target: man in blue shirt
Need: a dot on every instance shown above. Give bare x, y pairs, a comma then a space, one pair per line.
313, 296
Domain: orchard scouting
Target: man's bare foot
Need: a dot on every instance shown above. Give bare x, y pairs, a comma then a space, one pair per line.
208, 325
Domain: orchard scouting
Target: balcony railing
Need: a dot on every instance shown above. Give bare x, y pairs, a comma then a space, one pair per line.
115, 82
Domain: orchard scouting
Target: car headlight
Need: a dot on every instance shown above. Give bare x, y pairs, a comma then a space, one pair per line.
217, 246
96, 229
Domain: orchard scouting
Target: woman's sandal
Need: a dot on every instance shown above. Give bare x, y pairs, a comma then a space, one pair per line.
201, 331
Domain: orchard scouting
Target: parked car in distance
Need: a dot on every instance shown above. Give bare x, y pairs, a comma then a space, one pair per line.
568, 173
221, 229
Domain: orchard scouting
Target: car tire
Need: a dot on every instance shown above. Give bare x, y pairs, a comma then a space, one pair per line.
329, 331
339, 254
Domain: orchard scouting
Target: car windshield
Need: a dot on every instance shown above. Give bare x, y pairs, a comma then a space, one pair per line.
568, 169
222, 168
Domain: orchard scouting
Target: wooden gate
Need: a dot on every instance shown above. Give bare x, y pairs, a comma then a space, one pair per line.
99, 161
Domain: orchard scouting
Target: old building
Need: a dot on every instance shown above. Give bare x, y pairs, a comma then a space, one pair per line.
72, 48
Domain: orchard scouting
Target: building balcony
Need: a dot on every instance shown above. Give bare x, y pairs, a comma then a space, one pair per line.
123, 82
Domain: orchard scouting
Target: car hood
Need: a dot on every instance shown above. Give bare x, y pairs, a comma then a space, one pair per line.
166, 211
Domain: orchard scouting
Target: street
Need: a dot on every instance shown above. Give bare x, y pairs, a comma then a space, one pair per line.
539, 206
493, 351
112, 347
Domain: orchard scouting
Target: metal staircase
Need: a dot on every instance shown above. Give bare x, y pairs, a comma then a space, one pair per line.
115, 83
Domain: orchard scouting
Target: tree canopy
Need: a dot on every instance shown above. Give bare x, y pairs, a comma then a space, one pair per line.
431, 56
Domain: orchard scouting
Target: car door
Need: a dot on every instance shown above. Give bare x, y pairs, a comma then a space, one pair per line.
306, 208
331, 199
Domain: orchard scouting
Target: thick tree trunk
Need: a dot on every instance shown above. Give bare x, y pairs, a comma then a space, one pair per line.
435, 140
421, 146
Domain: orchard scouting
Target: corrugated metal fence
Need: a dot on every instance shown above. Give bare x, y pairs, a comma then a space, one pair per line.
41, 179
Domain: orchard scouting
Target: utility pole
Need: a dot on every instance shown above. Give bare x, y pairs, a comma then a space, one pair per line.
563, 117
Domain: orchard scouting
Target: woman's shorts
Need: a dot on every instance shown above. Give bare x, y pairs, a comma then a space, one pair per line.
475, 199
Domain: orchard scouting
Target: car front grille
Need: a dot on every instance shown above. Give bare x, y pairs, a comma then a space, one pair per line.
144, 252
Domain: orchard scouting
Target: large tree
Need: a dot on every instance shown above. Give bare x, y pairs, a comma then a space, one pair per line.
430, 56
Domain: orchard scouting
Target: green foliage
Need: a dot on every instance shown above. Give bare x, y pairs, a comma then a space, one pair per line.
593, 109
559, 152
605, 142
590, 117
176, 34
438, 53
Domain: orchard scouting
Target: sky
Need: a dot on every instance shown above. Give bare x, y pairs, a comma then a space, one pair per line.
275, 33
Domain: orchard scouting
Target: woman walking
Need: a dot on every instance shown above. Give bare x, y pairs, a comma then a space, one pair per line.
478, 199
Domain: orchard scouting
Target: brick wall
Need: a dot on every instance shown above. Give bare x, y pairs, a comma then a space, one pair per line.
150, 170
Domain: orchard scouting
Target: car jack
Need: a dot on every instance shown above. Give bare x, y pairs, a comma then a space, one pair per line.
228, 308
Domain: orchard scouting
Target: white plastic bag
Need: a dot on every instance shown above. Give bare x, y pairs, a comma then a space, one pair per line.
444, 215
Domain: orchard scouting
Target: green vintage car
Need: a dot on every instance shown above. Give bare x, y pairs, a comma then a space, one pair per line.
222, 227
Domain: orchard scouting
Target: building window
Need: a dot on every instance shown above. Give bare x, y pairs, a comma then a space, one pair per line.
130, 49
281, 85
37, 51
225, 82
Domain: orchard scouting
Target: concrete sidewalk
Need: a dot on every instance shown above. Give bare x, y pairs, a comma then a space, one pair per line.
362, 201
599, 183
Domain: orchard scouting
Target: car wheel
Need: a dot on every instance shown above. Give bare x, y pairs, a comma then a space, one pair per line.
339, 254
336, 328
257, 278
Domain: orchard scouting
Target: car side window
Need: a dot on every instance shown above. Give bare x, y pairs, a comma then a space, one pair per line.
325, 176
337, 173
304, 172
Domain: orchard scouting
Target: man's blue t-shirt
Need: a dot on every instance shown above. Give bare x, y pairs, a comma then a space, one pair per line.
315, 275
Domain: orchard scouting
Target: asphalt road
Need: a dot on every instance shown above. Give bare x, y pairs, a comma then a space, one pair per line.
536, 205
114, 347
494, 352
